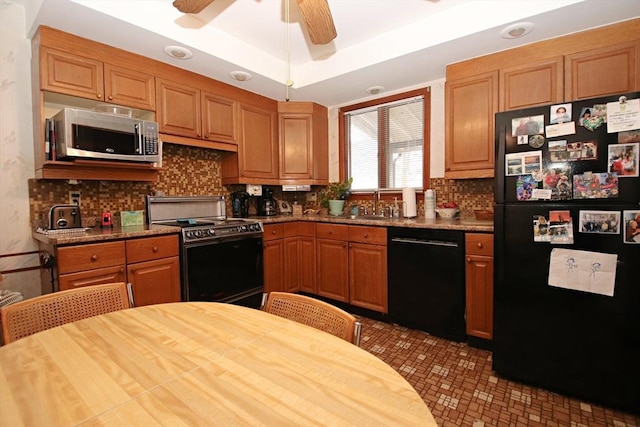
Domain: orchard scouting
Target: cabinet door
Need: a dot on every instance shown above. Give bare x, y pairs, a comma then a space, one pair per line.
368, 276
70, 74
258, 143
333, 269
291, 264
273, 256
606, 71
532, 84
296, 160
219, 118
178, 109
128, 87
479, 296
155, 282
98, 276
307, 264
470, 104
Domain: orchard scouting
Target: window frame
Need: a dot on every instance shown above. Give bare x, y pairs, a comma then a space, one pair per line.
426, 129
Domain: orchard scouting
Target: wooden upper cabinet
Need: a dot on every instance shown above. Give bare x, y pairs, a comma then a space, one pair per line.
258, 143
605, 71
219, 118
75, 75
128, 87
470, 107
178, 109
304, 145
532, 84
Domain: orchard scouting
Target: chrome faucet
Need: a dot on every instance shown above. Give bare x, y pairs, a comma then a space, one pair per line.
376, 199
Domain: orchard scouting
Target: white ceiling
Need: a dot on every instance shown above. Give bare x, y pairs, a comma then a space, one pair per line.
396, 44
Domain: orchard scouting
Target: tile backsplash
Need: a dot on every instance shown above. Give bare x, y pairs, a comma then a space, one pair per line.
191, 171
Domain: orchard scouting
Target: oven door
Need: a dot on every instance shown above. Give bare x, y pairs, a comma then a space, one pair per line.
227, 271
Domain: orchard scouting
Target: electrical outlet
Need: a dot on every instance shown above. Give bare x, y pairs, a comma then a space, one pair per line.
312, 196
74, 197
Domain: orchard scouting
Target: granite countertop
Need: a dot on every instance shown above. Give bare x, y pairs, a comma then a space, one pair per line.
462, 224
97, 234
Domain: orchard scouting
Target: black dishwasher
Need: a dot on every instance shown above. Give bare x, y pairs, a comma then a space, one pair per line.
426, 280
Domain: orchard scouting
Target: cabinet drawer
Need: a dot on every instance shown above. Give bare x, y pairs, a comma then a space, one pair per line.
149, 248
373, 235
479, 244
273, 232
98, 276
89, 257
332, 231
292, 229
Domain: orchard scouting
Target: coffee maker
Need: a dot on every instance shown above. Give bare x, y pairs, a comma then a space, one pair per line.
240, 204
267, 204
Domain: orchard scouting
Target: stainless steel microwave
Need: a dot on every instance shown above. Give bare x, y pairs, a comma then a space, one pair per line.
102, 136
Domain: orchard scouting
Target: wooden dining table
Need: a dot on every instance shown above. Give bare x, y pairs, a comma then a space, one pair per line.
199, 363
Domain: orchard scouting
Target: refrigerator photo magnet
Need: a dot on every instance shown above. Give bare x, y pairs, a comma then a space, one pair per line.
560, 227
623, 159
605, 222
631, 226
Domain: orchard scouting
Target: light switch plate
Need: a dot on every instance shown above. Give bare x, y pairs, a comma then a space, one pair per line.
254, 190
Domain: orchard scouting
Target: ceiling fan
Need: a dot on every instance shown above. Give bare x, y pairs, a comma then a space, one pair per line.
317, 16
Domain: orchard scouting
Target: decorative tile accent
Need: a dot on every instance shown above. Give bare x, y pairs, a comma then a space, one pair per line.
448, 401
483, 396
585, 407
467, 364
439, 370
407, 369
521, 397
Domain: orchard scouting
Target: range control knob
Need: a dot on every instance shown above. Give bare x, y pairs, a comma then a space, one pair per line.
211, 232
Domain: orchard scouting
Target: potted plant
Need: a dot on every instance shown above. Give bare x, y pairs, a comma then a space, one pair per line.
333, 196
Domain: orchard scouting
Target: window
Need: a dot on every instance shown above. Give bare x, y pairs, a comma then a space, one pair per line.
385, 142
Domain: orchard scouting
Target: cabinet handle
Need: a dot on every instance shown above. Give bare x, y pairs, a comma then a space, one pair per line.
94, 257
468, 259
366, 235
344, 245
480, 245
155, 249
273, 232
330, 231
122, 270
99, 95
110, 98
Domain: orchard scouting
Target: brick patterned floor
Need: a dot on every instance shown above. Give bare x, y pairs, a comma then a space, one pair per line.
460, 388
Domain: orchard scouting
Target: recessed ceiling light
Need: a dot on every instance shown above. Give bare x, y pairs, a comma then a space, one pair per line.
515, 31
374, 90
241, 76
178, 52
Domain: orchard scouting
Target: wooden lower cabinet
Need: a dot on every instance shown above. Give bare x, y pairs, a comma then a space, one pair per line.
290, 257
479, 285
332, 261
368, 267
155, 282
151, 264
273, 257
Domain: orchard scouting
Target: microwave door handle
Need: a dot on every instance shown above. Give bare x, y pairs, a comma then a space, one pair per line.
138, 137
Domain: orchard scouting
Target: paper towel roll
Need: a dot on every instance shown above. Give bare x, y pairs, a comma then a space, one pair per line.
429, 204
409, 202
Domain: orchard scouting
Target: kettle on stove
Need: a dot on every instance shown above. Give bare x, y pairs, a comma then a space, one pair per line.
240, 204
267, 204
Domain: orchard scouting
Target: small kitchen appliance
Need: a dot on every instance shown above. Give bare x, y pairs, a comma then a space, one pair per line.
240, 204
267, 204
64, 216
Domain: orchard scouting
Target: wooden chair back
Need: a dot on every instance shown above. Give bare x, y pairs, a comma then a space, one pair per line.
315, 313
37, 314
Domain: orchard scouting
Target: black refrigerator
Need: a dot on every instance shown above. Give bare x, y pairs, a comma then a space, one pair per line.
567, 249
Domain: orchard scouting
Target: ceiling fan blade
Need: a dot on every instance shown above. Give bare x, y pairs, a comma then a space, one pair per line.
317, 16
191, 6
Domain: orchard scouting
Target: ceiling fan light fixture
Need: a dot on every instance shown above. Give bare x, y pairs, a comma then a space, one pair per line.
517, 30
374, 90
241, 76
178, 52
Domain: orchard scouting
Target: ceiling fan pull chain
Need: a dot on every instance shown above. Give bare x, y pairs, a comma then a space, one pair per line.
289, 82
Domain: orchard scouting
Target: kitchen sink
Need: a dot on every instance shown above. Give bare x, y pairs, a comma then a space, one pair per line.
369, 217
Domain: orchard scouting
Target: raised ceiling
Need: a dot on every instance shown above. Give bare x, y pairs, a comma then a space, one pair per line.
395, 44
